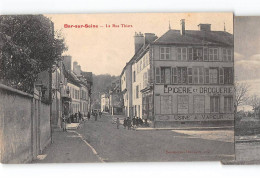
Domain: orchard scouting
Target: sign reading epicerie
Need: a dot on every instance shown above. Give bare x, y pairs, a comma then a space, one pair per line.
198, 89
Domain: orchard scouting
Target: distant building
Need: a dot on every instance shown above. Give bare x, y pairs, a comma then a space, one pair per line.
105, 102
115, 99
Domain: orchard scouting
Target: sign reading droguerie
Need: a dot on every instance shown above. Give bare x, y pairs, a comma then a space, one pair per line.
198, 89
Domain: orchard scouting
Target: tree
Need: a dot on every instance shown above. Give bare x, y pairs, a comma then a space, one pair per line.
241, 96
254, 101
29, 47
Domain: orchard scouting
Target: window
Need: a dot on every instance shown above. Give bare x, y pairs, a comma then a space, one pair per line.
165, 53
182, 53
141, 65
198, 76
182, 75
213, 76
228, 75
228, 104
166, 75
199, 104
145, 79
183, 104
198, 54
137, 92
134, 76
227, 55
214, 104
213, 54
205, 54
166, 104
174, 75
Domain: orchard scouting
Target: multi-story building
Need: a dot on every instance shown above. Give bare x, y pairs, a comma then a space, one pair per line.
115, 99
185, 77
105, 102
79, 86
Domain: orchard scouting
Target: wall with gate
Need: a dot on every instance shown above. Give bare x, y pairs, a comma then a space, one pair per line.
24, 125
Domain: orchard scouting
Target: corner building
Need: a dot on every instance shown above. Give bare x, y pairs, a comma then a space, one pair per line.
185, 78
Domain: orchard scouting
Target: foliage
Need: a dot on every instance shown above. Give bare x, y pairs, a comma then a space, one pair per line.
30, 47
241, 93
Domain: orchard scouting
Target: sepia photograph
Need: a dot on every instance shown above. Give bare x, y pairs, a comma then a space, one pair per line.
128, 87
247, 87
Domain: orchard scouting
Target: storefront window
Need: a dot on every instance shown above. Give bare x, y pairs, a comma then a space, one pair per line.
199, 104
228, 104
166, 104
183, 104
214, 104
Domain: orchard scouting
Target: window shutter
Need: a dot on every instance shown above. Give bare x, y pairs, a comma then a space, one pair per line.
189, 75
205, 54
221, 76
206, 75
174, 75
157, 75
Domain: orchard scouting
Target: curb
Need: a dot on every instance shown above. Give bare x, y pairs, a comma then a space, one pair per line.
206, 128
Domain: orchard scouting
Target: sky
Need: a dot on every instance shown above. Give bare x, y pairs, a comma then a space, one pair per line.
106, 50
247, 52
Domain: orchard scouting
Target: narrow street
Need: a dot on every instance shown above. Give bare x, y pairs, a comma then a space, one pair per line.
101, 141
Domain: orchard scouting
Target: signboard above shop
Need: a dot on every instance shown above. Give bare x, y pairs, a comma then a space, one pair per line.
173, 89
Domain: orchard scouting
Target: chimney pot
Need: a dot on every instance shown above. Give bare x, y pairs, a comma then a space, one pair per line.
182, 22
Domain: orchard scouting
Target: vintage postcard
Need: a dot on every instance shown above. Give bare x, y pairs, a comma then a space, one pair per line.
130, 87
247, 85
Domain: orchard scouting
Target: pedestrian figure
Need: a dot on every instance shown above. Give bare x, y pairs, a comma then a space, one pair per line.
125, 123
88, 116
100, 114
95, 114
80, 116
117, 123
134, 121
64, 123
129, 123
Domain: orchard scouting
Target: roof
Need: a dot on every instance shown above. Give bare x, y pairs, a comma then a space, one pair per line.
196, 37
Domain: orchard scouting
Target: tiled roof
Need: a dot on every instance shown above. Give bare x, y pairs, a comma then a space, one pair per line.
195, 37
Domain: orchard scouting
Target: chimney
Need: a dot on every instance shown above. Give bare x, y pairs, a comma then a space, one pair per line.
149, 38
182, 22
204, 27
139, 41
67, 62
76, 68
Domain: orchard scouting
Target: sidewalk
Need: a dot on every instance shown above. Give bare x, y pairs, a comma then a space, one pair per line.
67, 147
248, 138
72, 126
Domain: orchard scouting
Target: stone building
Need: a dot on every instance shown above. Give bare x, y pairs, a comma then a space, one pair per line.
184, 78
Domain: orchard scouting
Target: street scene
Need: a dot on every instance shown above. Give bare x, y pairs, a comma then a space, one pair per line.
97, 88
101, 141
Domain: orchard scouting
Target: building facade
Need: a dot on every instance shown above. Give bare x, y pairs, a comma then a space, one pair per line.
185, 77
105, 102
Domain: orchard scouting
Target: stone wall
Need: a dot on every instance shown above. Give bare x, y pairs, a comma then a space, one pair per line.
24, 126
